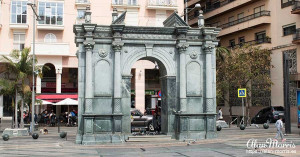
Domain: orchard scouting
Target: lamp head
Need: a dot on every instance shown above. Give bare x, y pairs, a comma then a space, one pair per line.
29, 3
198, 5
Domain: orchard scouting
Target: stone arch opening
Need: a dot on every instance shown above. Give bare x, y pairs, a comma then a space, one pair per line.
167, 103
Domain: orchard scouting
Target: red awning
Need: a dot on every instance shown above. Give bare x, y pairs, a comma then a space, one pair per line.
56, 97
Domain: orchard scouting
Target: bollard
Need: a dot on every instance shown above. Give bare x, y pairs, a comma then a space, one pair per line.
63, 134
242, 127
5, 137
266, 125
219, 128
35, 136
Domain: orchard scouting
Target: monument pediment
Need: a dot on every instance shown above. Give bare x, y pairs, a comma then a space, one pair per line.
120, 19
174, 21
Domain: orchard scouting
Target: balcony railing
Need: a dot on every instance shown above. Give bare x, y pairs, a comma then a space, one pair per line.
216, 5
125, 2
296, 36
296, 7
82, 2
289, 3
253, 42
165, 3
247, 18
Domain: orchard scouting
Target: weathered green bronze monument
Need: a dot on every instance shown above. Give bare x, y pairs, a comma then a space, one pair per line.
186, 57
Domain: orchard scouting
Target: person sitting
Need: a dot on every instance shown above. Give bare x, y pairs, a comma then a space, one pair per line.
52, 119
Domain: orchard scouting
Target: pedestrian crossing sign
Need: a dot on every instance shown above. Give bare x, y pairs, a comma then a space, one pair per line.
242, 92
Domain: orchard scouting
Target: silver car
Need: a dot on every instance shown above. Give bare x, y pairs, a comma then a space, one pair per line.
141, 121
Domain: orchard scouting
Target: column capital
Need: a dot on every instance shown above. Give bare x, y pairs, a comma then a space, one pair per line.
117, 46
208, 48
89, 44
58, 70
182, 47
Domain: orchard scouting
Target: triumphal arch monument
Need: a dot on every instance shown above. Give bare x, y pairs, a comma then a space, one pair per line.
187, 64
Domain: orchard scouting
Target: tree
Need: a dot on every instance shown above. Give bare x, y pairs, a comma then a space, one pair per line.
242, 67
19, 67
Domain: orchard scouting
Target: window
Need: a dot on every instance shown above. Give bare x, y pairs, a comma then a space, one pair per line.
260, 37
241, 41
18, 12
231, 43
19, 41
230, 20
289, 29
132, 2
51, 13
286, 3
258, 10
50, 38
80, 13
240, 17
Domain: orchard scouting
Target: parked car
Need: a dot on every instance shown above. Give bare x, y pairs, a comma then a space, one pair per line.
269, 114
141, 121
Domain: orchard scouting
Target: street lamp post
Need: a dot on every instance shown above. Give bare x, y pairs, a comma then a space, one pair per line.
188, 10
34, 15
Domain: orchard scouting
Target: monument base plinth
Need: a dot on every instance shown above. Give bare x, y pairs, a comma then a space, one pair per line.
16, 132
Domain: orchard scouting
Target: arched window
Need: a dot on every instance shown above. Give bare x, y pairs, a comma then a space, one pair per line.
50, 38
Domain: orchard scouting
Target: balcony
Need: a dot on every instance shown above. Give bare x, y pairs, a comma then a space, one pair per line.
296, 8
82, 3
220, 7
162, 4
125, 3
256, 19
50, 27
296, 37
52, 49
264, 43
18, 26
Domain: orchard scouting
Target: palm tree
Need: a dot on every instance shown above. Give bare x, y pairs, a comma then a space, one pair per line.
19, 69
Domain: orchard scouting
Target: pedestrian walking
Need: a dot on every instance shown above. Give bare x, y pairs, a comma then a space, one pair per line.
279, 127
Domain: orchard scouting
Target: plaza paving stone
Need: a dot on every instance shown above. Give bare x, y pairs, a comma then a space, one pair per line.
231, 142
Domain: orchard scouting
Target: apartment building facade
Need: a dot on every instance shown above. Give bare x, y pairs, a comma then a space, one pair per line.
55, 45
272, 24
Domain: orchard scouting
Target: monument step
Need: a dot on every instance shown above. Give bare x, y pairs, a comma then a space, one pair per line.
148, 138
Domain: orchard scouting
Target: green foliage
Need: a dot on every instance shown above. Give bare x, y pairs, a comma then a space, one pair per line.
241, 67
19, 67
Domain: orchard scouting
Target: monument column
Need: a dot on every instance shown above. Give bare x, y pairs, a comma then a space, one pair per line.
89, 45
209, 79
38, 84
117, 46
182, 78
58, 88
58, 80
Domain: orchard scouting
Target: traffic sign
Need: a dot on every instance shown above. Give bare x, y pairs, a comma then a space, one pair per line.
242, 93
